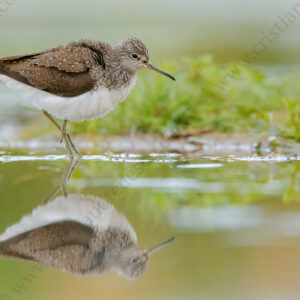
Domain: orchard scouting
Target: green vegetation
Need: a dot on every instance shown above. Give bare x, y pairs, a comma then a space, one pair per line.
231, 98
292, 128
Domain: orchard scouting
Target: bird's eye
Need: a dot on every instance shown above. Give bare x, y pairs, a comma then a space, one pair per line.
134, 260
134, 56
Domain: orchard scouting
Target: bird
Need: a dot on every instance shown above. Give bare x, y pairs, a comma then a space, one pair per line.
82, 80
81, 234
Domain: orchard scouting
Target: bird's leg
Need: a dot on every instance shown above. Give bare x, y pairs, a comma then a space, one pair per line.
67, 175
73, 146
68, 137
71, 168
64, 136
63, 130
52, 119
64, 179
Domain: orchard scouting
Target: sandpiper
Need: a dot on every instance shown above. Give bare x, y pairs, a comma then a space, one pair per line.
82, 80
81, 234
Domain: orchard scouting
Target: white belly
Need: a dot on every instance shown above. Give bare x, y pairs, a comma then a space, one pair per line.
84, 209
88, 106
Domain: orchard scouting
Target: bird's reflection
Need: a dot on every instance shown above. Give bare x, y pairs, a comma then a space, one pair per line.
78, 233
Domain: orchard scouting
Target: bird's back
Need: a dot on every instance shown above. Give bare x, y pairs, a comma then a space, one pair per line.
61, 71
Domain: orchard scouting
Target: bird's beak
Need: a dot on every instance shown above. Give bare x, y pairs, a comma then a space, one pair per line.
159, 246
152, 67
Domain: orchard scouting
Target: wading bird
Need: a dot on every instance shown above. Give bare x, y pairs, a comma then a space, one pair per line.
81, 234
82, 80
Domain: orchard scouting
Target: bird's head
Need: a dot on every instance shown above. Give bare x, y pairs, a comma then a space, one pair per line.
133, 262
135, 56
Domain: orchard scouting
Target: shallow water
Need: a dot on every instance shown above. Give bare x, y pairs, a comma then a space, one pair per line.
236, 222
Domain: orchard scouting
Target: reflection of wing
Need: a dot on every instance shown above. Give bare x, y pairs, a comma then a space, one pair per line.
62, 71
64, 245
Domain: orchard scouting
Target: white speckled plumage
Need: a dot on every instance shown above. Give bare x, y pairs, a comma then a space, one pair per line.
88, 106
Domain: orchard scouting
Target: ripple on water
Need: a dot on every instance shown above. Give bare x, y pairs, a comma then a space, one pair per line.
200, 166
110, 158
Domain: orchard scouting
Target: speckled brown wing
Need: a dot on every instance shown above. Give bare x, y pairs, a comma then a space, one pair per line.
62, 71
64, 245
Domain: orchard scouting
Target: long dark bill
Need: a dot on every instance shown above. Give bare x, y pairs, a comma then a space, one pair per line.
154, 68
159, 246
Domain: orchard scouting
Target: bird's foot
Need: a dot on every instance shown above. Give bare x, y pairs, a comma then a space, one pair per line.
74, 156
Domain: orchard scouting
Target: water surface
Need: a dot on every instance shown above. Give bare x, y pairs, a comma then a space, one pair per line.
236, 222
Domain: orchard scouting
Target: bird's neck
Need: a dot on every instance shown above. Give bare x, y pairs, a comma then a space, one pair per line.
117, 74
113, 238
118, 77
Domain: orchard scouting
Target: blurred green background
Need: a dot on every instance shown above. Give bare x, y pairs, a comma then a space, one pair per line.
171, 28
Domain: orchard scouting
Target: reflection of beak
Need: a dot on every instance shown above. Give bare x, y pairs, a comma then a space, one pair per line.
159, 246
152, 67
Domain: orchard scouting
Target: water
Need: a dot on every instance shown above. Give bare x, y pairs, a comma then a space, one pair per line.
236, 222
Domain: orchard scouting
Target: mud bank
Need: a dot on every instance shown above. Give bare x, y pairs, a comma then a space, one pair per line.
207, 144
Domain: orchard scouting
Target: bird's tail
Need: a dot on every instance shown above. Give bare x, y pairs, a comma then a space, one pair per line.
1, 69
5, 250
8, 70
